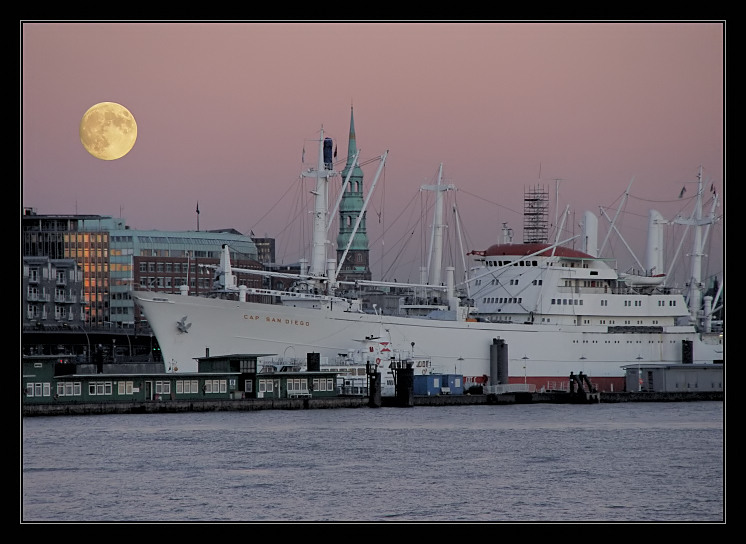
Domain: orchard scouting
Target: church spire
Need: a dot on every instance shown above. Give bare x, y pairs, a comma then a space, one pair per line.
356, 265
352, 142
352, 150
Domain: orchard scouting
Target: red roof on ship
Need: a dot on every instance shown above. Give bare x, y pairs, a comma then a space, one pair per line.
519, 250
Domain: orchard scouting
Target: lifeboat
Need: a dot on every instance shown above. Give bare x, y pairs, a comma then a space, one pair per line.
635, 280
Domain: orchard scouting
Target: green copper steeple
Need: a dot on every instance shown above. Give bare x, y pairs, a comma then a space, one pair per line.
356, 265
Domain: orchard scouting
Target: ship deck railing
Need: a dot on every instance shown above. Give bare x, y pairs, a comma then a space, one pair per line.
502, 389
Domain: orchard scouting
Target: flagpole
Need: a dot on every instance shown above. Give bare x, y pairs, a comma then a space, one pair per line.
198, 216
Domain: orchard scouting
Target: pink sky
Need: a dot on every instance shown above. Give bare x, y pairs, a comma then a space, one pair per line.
224, 110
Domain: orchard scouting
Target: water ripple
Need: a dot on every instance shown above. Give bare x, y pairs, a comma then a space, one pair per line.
636, 462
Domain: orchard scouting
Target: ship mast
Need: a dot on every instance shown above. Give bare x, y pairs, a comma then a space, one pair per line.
695, 297
322, 174
697, 221
436, 239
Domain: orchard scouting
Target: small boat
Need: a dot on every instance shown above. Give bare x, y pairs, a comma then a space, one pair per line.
638, 280
374, 354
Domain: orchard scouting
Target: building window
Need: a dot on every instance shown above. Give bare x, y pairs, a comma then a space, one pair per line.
297, 385
124, 387
323, 384
163, 388
187, 386
100, 388
69, 389
247, 366
38, 389
216, 386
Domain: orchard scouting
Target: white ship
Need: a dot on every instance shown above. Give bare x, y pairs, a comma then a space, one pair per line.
558, 311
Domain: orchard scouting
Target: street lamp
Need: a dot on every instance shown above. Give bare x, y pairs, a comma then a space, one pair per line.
639, 374
525, 358
128, 342
88, 353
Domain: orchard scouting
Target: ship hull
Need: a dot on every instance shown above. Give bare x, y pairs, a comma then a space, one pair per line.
543, 355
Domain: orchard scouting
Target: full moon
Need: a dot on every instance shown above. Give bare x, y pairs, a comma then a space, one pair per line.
108, 131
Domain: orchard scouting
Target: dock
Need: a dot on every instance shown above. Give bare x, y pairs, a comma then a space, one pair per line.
239, 405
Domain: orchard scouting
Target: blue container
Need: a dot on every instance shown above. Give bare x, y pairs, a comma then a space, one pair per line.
439, 384
453, 383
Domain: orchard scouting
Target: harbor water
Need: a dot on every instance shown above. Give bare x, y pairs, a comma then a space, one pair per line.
629, 462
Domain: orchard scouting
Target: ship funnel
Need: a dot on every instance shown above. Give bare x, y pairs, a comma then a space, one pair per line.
226, 279
453, 301
331, 272
654, 248
507, 234
590, 234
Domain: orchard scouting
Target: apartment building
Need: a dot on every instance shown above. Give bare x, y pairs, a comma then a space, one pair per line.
111, 259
